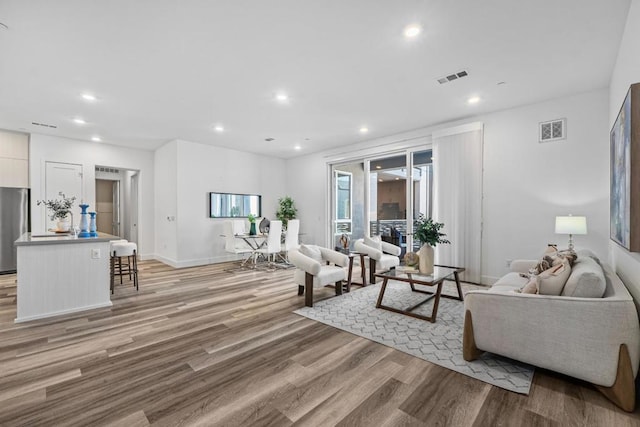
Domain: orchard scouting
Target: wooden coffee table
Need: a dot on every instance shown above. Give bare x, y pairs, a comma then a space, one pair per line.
440, 274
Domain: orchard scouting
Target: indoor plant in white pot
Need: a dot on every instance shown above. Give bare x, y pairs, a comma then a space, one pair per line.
427, 232
59, 210
286, 210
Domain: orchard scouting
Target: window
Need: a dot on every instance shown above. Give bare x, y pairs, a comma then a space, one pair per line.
343, 187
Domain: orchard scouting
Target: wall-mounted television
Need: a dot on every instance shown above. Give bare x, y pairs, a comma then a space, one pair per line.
228, 205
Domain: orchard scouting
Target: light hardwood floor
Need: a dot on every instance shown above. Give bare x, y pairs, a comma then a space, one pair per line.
201, 346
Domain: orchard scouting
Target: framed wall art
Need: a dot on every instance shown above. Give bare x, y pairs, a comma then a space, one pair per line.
625, 173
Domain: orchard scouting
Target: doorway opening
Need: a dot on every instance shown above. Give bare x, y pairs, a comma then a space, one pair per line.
117, 202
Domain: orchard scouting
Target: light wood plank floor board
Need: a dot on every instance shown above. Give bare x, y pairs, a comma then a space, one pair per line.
205, 346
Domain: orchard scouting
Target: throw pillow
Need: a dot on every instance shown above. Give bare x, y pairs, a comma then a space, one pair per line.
552, 281
312, 252
375, 242
531, 287
545, 264
587, 280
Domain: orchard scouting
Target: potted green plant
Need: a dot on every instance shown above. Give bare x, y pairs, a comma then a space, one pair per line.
59, 210
286, 210
427, 232
252, 222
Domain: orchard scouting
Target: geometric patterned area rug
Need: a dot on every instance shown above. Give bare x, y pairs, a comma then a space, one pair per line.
439, 343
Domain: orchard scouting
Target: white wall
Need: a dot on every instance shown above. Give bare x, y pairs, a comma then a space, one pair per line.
166, 193
45, 148
200, 169
625, 73
526, 184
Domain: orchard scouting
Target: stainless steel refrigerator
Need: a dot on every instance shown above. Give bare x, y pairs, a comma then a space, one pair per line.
14, 221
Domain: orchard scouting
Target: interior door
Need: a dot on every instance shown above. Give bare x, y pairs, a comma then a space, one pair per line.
105, 207
63, 179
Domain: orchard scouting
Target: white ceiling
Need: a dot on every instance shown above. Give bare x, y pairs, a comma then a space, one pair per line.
166, 69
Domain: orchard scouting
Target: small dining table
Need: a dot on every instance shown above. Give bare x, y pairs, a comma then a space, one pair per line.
255, 243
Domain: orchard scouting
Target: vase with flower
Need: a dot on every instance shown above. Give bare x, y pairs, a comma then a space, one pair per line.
427, 232
59, 210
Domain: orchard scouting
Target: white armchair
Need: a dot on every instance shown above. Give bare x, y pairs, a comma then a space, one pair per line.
317, 267
382, 255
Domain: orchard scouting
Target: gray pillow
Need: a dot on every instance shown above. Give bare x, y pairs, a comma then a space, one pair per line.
586, 279
587, 253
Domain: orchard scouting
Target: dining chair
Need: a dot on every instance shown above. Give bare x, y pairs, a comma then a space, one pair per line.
232, 244
272, 246
291, 238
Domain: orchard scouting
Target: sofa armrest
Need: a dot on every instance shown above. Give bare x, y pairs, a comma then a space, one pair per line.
373, 253
522, 265
580, 337
390, 248
334, 257
305, 263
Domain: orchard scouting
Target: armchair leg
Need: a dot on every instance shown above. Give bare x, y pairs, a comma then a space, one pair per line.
300, 290
623, 390
339, 287
308, 294
469, 350
372, 271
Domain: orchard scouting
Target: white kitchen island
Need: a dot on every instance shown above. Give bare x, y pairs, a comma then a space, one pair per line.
60, 274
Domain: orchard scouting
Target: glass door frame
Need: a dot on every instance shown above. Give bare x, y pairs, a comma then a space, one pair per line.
408, 152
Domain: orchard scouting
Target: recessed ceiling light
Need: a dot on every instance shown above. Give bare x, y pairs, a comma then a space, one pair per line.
79, 121
473, 100
88, 97
397, 179
282, 97
219, 128
378, 167
297, 147
96, 139
412, 31
364, 129
380, 180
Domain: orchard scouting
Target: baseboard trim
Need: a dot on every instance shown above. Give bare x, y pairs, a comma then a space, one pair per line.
61, 312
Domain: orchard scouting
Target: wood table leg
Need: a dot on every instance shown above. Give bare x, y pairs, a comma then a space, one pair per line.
460, 295
363, 271
382, 289
349, 275
436, 303
372, 271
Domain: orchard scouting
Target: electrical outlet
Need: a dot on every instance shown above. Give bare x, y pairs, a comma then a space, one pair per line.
508, 263
95, 253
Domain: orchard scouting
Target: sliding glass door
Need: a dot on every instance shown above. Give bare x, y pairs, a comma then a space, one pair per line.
381, 196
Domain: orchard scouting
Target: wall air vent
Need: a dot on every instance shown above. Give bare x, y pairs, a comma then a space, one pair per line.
553, 130
45, 125
454, 76
106, 170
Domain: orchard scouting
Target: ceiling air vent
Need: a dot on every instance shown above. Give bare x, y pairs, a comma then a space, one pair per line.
553, 130
45, 125
452, 77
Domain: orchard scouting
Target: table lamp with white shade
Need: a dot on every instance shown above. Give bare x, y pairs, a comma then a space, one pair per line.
571, 225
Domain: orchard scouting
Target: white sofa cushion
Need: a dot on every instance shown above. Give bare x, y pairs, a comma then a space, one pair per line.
374, 242
312, 252
586, 279
328, 274
512, 280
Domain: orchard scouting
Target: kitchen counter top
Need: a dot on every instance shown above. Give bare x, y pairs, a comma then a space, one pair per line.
28, 239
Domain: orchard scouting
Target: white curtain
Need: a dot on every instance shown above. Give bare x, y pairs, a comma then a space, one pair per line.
457, 183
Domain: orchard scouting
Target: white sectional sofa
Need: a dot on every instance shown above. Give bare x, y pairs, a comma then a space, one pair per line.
593, 339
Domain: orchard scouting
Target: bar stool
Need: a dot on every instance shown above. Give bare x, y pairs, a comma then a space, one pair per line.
127, 250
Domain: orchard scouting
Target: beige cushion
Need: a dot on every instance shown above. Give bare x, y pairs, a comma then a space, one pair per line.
312, 252
551, 281
514, 280
531, 287
583, 253
374, 242
586, 280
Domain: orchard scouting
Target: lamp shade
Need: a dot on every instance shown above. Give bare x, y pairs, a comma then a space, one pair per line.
571, 225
